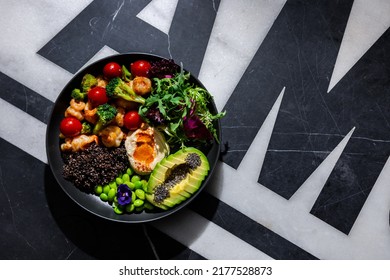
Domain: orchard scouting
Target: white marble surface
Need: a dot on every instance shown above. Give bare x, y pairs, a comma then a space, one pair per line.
231, 43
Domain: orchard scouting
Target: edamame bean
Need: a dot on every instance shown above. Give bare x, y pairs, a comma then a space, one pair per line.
106, 189
140, 194
129, 171
113, 185
129, 208
130, 185
133, 196
139, 209
103, 197
118, 210
126, 177
138, 203
119, 181
135, 178
148, 205
138, 185
98, 189
111, 194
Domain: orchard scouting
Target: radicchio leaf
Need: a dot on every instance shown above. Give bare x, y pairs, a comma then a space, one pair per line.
195, 129
164, 68
154, 116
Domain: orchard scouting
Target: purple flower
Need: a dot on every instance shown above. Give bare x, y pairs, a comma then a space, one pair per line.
123, 194
194, 128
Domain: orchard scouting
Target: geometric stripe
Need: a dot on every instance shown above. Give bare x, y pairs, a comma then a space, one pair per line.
22, 130
24, 98
247, 229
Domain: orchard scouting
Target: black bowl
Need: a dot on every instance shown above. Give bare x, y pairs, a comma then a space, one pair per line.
91, 202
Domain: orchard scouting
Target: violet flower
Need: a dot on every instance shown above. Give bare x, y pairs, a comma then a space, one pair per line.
123, 194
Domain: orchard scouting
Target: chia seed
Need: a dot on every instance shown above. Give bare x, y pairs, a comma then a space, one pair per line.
177, 174
193, 160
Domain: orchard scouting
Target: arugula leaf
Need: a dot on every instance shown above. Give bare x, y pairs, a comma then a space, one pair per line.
175, 103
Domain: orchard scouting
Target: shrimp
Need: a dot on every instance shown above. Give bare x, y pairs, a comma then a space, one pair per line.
75, 109
78, 143
119, 116
142, 85
101, 82
128, 105
71, 112
112, 136
77, 105
90, 114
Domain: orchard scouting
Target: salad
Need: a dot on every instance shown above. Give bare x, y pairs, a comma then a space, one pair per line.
134, 135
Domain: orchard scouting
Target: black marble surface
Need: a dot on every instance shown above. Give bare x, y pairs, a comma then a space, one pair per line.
299, 52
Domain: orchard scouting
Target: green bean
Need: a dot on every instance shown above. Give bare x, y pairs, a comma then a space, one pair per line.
98, 189
138, 202
140, 194
103, 197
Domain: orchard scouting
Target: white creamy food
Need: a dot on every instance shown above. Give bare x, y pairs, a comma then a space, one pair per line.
145, 148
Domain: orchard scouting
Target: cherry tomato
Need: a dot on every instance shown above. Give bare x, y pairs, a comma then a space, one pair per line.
132, 120
70, 127
140, 68
97, 96
112, 70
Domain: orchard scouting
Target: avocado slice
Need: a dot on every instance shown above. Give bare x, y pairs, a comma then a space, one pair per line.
177, 177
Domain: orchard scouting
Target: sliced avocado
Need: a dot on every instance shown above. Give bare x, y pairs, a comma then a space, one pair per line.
192, 184
177, 177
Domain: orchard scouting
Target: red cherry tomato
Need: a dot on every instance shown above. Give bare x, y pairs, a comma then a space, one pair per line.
132, 120
97, 96
140, 68
112, 70
70, 127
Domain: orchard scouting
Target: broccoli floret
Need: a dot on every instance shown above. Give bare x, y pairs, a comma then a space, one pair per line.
106, 114
126, 75
86, 128
78, 95
88, 82
117, 88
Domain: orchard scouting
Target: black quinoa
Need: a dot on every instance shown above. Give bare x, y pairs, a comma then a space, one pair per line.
96, 165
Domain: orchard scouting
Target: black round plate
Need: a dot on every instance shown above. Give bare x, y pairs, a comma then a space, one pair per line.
90, 202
